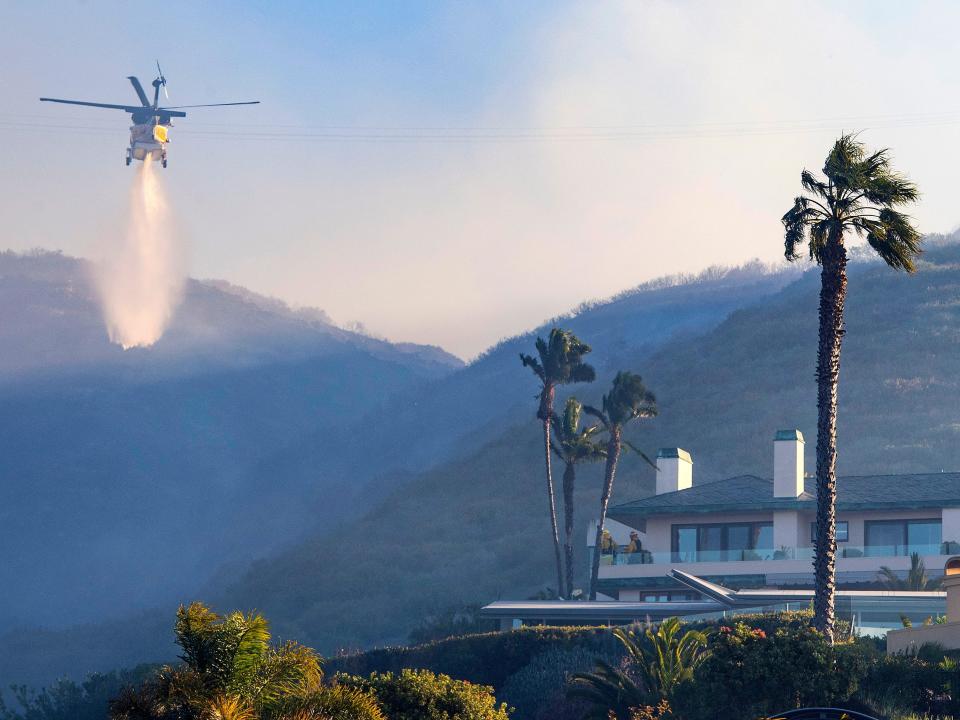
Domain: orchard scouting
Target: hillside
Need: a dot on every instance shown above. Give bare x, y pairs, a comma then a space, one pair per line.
419, 428
475, 528
128, 477
269, 458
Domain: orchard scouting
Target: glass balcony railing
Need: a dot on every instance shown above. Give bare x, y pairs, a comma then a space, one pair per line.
646, 557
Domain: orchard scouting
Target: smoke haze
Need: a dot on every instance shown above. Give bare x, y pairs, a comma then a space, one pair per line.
141, 277
578, 148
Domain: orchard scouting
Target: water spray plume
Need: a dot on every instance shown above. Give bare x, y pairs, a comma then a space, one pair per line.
141, 279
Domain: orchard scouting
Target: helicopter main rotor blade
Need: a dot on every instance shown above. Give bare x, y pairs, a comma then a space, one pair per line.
183, 107
126, 108
139, 88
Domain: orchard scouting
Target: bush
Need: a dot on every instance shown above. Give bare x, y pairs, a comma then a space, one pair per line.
757, 674
423, 695
337, 702
543, 682
896, 684
487, 659
67, 700
770, 622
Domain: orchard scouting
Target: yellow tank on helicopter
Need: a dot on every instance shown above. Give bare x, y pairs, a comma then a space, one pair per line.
149, 133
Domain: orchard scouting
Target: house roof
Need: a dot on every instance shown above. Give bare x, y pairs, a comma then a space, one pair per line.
748, 492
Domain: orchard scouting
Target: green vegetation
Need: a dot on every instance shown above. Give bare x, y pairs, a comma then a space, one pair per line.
916, 577
69, 700
472, 529
487, 659
538, 690
574, 446
559, 362
229, 670
860, 195
423, 695
751, 666
627, 400
658, 661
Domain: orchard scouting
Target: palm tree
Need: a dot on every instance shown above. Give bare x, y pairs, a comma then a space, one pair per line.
613, 692
560, 362
916, 577
657, 662
664, 658
627, 400
230, 671
860, 194
573, 445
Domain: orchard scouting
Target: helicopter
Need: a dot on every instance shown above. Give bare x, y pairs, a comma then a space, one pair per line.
149, 133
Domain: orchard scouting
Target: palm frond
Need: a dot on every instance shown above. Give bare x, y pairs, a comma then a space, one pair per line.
635, 450
895, 239
598, 414
534, 364
628, 399
811, 184
844, 164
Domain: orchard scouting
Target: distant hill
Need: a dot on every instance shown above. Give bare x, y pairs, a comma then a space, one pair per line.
127, 478
474, 528
251, 424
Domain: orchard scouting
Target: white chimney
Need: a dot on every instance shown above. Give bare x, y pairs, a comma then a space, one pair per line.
674, 470
788, 464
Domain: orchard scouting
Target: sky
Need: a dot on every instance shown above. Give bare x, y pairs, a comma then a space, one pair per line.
455, 173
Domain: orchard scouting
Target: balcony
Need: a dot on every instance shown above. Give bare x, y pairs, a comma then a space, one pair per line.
844, 550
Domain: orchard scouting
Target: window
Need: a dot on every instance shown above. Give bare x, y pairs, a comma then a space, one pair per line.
720, 542
901, 537
843, 531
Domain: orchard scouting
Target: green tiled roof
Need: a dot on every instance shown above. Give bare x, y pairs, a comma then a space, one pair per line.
674, 453
748, 492
788, 435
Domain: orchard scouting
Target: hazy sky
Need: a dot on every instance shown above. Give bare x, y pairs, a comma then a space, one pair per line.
456, 172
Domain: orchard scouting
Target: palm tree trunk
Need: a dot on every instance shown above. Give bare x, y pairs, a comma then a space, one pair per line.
613, 455
833, 291
546, 412
569, 479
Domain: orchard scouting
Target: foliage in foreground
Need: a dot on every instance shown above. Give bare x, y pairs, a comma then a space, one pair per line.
486, 659
423, 695
69, 700
658, 661
231, 671
538, 691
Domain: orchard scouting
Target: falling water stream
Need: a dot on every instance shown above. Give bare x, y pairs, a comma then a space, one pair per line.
142, 276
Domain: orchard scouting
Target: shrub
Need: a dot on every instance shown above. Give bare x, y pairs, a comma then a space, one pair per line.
770, 622
543, 682
68, 700
895, 684
337, 702
756, 673
423, 695
487, 659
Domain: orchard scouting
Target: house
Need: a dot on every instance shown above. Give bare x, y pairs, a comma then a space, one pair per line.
746, 543
756, 532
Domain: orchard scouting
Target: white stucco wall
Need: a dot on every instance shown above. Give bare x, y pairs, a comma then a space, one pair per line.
951, 524
909, 640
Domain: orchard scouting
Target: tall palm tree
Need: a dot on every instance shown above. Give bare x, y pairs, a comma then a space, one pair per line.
573, 445
559, 362
916, 577
627, 400
861, 193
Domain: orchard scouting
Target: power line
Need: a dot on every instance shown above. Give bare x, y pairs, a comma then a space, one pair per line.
407, 134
